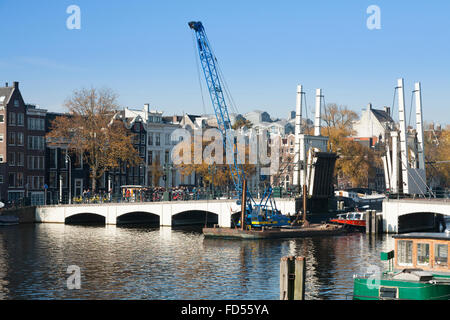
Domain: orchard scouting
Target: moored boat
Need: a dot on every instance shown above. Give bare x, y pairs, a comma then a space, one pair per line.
8, 220
419, 270
354, 219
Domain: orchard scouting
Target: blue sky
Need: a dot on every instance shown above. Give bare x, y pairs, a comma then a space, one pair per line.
143, 50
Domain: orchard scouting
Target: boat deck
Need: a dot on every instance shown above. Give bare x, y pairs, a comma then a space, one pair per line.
275, 233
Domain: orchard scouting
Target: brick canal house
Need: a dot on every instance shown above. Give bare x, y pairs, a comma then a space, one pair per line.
22, 148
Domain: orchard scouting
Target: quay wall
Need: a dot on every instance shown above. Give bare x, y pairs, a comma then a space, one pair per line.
25, 214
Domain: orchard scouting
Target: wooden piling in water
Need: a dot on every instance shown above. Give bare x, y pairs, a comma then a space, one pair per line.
243, 204
368, 221
292, 278
373, 222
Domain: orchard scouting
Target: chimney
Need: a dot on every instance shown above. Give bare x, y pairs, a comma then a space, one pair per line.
387, 110
16, 85
147, 107
369, 106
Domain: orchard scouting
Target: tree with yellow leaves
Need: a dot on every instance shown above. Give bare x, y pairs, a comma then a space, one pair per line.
437, 155
213, 170
89, 129
356, 163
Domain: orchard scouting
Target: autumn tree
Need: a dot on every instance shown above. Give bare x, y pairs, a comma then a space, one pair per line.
89, 129
242, 122
213, 171
356, 163
157, 171
437, 156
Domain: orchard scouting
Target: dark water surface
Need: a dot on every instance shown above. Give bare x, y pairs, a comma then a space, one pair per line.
164, 263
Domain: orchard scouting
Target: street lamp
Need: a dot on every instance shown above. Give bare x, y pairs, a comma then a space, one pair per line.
69, 164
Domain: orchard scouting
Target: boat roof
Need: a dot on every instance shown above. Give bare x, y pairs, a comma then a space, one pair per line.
424, 235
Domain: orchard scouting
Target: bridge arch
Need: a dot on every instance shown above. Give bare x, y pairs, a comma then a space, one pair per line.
195, 217
85, 218
138, 217
421, 221
405, 215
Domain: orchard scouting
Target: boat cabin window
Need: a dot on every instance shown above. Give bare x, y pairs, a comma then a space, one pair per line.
423, 254
441, 255
358, 216
404, 252
350, 216
388, 293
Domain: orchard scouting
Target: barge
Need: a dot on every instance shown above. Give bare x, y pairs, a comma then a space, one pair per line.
274, 233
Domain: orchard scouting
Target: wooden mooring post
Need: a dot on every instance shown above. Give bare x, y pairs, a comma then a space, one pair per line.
292, 278
373, 222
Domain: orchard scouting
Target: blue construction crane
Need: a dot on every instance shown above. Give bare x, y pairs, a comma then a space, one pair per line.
259, 214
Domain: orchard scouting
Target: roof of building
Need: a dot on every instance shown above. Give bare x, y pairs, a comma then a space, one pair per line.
382, 115
6, 92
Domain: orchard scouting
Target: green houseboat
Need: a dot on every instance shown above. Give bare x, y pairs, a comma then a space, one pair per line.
418, 270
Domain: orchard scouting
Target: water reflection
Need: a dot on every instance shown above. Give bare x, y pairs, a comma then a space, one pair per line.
165, 263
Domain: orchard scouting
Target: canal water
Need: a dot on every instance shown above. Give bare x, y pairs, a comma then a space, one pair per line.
164, 263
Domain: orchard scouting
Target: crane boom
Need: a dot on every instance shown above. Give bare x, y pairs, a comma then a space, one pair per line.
256, 215
208, 62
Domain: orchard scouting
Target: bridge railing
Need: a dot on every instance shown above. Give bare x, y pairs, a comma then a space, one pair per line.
159, 196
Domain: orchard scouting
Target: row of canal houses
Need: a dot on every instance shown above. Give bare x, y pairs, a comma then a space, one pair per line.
35, 172
31, 169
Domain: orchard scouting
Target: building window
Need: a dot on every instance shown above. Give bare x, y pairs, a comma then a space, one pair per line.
157, 139
441, 255
167, 142
2, 159
20, 139
167, 156
150, 139
20, 159
12, 119
19, 179
36, 124
37, 198
53, 158
404, 250
16, 103
423, 254
36, 162
20, 119
12, 159
52, 182
63, 163
2, 118
11, 179
36, 143
150, 158
11, 138
2, 137
1, 179
78, 162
